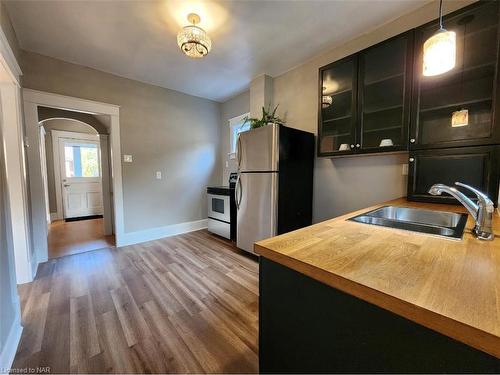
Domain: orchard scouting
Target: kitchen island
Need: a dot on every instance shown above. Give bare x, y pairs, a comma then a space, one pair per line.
342, 296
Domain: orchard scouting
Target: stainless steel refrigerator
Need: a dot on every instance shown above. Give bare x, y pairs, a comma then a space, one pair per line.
274, 187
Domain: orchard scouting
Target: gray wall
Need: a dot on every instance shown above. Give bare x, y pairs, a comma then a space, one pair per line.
234, 107
8, 30
9, 300
65, 125
343, 185
164, 130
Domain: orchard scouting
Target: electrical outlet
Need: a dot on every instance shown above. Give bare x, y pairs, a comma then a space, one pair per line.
127, 158
158, 175
405, 170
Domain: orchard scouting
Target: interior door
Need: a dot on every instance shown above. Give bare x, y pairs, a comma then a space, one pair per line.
80, 177
256, 202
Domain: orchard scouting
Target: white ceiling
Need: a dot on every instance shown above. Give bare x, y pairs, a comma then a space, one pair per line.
137, 39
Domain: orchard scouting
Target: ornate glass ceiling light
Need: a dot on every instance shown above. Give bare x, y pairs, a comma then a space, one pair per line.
326, 100
193, 40
439, 49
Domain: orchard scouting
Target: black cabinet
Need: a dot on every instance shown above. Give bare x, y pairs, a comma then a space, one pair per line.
475, 166
307, 327
384, 93
441, 102
364, 100
337, 109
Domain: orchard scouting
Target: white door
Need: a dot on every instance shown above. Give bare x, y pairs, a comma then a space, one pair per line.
80, 177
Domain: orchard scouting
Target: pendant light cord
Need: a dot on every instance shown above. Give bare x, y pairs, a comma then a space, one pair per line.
441, 14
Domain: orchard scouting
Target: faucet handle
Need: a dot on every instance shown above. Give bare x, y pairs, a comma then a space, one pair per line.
483, 198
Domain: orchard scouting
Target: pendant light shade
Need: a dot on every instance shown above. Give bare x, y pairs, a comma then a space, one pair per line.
440, 50
439, 53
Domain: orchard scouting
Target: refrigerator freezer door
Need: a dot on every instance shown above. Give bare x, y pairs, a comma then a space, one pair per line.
257, 208
258, 149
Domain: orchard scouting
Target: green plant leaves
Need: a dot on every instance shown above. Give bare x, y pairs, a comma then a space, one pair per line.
267, 117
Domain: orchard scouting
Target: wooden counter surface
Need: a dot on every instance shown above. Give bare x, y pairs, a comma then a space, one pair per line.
450, 286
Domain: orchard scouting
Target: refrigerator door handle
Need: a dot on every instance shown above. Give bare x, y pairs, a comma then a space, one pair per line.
237, 195
238, 152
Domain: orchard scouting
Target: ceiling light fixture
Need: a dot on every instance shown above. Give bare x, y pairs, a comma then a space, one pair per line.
193, 40
439, 49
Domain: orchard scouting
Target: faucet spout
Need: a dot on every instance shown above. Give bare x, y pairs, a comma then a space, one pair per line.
482, 212
438, 189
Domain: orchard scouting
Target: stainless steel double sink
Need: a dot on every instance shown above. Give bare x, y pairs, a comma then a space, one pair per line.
437, 223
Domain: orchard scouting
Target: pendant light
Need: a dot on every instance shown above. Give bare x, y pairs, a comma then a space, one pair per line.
439, 49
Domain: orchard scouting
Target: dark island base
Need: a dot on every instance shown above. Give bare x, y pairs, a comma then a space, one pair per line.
309, 327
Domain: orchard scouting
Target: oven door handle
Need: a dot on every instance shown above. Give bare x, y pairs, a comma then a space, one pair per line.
237, 192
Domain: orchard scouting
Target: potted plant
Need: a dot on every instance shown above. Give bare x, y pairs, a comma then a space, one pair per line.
268, 117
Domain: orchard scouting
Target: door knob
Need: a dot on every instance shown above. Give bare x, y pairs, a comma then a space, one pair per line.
358, 145
66, 185
411, 159
412, 140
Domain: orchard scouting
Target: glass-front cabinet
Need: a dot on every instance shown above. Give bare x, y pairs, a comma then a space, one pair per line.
384, 94
457, 108
364, 100
337, 113
378, 100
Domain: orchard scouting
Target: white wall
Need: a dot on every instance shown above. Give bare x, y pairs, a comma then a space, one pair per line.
10, 314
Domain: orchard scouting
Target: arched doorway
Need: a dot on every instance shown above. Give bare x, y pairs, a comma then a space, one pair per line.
74, 168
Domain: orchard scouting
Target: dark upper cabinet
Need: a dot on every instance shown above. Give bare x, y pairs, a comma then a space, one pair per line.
471, 86
337, 107
364, 100
475, 166
384, 93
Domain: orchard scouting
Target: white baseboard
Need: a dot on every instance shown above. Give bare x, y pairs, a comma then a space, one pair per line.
9, 349
55, 216
131, 238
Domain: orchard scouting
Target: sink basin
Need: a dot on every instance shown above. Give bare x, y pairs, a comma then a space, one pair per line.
438, 223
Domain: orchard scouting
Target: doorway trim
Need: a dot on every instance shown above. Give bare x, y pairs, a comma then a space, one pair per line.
32, 100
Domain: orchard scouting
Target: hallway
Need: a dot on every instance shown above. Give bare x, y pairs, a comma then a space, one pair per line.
74, 237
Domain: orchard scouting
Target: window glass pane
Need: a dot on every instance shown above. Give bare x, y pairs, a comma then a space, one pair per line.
235, 130
81, 160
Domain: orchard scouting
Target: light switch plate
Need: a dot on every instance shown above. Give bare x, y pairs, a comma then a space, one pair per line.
158, 175
127, 158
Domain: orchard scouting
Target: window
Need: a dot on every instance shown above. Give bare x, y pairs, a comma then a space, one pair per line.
81, 160
236, 126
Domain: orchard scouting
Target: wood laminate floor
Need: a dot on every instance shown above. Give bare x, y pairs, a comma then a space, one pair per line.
65, 238
183, 304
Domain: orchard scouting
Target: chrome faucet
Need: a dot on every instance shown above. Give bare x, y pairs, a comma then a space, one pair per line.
482, 212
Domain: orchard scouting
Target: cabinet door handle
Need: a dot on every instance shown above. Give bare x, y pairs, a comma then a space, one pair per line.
412, 140
412, 160
352, 146
358, 145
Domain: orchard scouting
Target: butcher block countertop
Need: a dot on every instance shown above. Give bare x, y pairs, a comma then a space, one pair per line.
450, 286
